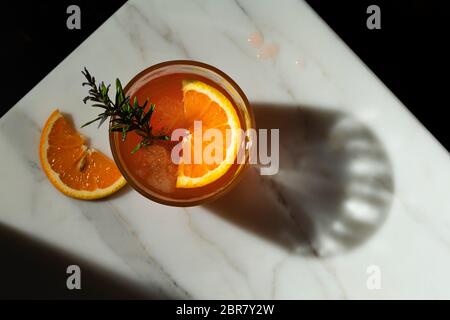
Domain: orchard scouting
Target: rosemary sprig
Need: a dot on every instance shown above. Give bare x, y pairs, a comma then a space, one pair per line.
125, 116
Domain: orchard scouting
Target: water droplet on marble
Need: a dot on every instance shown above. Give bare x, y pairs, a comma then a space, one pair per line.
256, 40
300, 63
268, 51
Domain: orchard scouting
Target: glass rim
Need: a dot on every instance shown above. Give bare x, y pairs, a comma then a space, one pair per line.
182, 202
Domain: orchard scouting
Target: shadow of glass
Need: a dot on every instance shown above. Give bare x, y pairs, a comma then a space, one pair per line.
332, 192
32, 269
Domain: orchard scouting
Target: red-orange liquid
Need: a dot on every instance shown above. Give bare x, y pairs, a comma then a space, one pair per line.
152, 166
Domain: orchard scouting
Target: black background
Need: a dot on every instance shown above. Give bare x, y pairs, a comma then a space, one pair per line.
408, 54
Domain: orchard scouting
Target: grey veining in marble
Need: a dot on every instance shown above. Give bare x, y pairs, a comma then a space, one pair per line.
361, 181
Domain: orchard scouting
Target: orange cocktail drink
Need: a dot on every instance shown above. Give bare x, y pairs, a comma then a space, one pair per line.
204, 115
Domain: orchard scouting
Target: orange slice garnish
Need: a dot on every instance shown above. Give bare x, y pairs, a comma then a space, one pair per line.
72, 167
215, 111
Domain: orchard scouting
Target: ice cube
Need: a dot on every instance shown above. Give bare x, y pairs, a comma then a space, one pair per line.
156, 167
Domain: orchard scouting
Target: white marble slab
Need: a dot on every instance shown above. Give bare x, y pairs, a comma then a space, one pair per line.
361, 181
